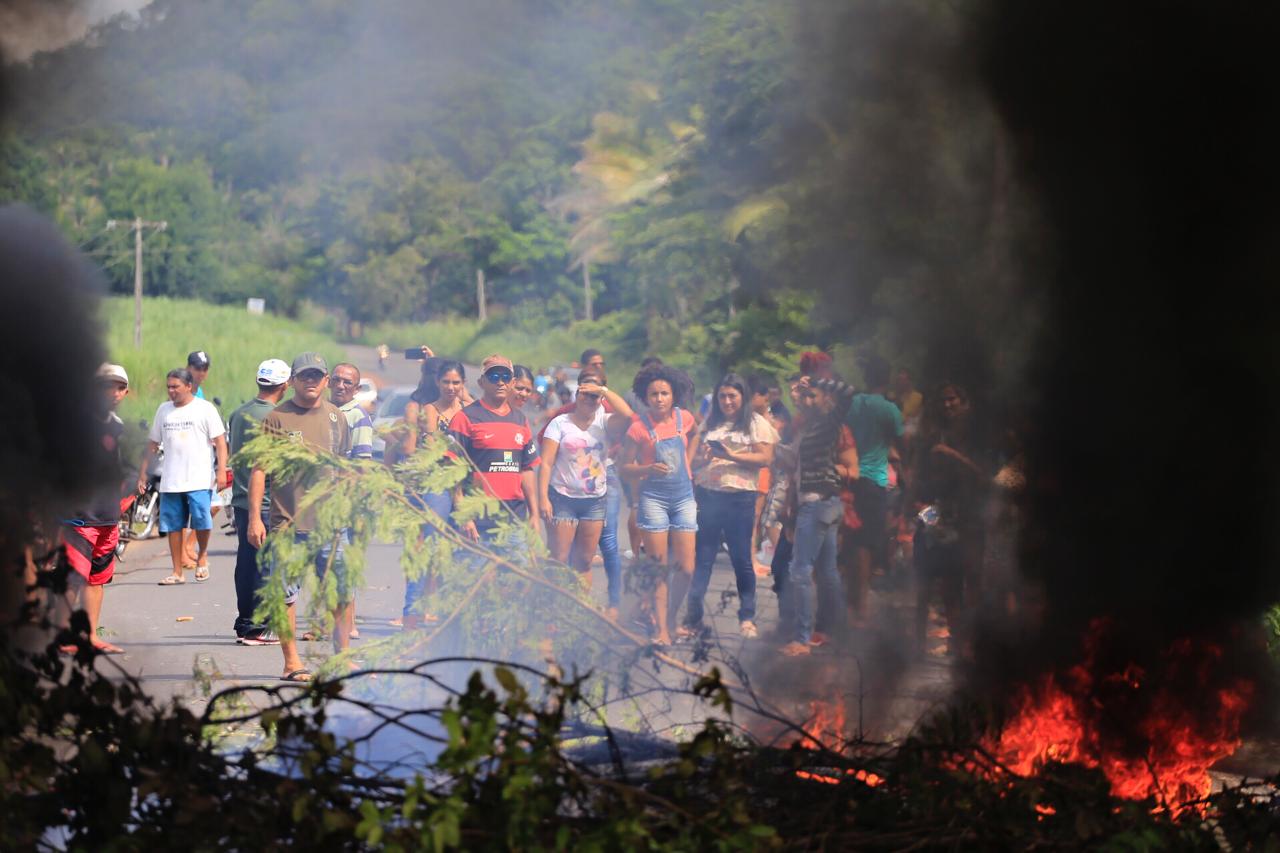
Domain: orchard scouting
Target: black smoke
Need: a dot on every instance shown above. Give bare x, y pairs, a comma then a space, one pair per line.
51, 349
1142, 132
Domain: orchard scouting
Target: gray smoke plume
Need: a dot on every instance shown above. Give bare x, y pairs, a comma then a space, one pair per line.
28, 27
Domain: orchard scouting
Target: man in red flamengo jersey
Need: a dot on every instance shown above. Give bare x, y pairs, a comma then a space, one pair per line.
500, 444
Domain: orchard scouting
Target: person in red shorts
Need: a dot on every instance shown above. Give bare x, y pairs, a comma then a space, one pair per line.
89, 538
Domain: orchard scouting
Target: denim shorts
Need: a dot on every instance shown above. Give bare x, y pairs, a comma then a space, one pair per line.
660, 513
185, 509
565, 508
291, 591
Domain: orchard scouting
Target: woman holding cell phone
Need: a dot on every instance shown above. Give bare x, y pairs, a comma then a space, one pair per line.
656, 455
737, 444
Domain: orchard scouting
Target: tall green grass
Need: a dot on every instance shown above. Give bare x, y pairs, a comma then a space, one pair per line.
235, 340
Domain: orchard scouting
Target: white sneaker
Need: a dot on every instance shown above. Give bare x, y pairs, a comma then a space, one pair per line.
748, 630
629, 554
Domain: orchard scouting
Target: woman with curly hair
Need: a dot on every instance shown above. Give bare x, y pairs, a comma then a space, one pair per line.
656, 455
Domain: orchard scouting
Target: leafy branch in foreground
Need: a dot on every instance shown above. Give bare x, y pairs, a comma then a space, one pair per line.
499, 765
471, 752
502, 599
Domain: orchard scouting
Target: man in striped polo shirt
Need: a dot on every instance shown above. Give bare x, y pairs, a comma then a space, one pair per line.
343, 383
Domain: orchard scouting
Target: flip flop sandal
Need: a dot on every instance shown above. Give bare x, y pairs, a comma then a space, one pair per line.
297, 676
314, 636
172, 580
202, 574
107, 649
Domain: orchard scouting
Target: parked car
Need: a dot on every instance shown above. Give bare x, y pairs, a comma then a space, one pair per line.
391, 405
367, 394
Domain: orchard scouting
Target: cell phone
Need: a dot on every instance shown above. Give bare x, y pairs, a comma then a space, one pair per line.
716, 445
415, 354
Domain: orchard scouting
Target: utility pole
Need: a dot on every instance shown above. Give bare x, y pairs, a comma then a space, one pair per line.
137, 225
480, 293
586, 291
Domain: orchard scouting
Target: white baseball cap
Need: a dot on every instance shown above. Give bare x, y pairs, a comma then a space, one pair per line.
114, 373
273, 371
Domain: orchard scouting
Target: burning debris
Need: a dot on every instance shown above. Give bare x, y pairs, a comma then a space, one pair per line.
1151, 733
827, 724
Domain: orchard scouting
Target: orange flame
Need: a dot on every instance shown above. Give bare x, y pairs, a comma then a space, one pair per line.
827, 725
1052, 723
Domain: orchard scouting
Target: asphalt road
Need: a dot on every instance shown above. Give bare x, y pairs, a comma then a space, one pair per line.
179, 641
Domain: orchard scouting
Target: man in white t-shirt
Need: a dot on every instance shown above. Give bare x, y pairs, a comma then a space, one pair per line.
191, 431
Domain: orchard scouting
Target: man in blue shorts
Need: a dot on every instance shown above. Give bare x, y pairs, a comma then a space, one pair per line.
192, 434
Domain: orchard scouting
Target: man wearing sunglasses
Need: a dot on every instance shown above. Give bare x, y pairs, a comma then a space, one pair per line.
501, 445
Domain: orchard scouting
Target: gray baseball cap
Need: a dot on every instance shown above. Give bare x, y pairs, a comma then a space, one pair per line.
310, 361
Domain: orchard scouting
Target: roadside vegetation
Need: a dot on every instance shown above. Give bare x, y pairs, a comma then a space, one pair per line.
235, 340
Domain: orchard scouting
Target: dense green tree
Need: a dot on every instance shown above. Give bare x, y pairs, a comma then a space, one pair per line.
702, 161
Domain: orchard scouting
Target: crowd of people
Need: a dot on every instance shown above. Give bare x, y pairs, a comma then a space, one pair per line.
844, 486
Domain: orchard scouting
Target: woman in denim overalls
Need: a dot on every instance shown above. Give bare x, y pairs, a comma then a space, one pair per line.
656, 456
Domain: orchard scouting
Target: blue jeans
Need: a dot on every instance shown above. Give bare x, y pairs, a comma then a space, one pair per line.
780, 568
609, 536
441, 503
727, 517
815, 552
249, 577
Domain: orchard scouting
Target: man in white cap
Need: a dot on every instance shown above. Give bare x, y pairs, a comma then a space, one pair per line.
273, 377
89, 537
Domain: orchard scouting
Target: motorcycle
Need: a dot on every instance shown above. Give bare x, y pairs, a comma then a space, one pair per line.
140, 513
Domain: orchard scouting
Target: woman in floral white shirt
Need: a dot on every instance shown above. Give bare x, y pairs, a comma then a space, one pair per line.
736, 445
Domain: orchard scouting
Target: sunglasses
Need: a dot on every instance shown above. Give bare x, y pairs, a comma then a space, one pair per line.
594, 398
311, 375
499, 377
